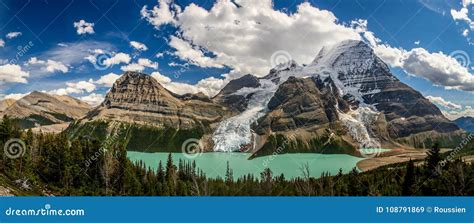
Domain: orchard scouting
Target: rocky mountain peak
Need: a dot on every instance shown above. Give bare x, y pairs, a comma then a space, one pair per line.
349, 56
229, 96
289, 65
137, 89
139, 98
248, 80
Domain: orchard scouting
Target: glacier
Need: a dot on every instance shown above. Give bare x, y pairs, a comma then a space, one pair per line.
236, 131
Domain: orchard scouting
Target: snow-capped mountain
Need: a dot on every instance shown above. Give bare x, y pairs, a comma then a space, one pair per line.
347, 93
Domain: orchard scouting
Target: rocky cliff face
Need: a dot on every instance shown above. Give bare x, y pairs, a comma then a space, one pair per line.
139, 98
38, 109
301, 103
233, 94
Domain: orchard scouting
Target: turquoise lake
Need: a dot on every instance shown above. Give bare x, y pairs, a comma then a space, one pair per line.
214, 164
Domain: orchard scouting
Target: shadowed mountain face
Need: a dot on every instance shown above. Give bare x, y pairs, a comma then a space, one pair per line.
230, 95
466, 123
38, 109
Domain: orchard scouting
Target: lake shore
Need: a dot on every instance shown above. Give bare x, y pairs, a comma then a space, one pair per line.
393, 156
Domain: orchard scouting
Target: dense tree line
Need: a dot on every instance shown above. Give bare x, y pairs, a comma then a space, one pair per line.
86, 166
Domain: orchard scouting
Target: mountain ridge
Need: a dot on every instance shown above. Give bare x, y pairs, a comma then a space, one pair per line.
347, 97
466, 123
38, 109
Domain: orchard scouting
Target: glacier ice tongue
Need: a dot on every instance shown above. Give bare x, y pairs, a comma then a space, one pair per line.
357, 122
236, 131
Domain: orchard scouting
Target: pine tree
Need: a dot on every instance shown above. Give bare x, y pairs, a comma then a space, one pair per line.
229, 176
160, 173
409, 180
433, 159
266, 179
170, 177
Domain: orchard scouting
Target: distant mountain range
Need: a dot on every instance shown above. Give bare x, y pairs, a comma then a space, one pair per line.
39, 109
466, 123
346, 99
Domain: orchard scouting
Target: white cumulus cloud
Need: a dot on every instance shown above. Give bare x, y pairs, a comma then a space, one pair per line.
243, 35
12, 35
438, 68
93, 99
118, 59
441, 101
138, 46
140, 65
107, 80
465, 16
83, 27
163, 13
15, 96
75, 88
467, 111
13, 73
209, 86
49, 66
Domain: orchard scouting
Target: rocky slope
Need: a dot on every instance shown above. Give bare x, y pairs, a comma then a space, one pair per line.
4, 104
39, 109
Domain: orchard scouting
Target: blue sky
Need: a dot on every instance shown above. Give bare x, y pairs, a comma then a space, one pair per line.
186, 60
